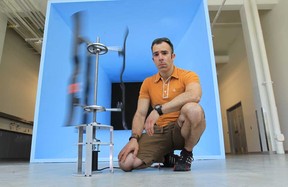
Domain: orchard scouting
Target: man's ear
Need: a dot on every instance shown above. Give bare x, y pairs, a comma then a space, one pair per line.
173, 55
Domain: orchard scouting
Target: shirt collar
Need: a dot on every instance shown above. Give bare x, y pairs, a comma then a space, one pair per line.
174, 74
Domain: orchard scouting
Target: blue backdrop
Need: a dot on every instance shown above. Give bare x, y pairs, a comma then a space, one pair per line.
186, 24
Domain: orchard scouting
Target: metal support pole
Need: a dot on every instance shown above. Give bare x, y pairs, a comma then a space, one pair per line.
96, 79
80, 149
89, 148
111, 149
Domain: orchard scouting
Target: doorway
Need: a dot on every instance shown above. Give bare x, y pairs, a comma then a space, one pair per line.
237, 134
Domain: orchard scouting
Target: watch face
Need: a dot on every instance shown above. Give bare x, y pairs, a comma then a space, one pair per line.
157, 107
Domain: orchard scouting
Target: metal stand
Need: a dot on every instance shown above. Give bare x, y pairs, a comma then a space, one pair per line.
91, 142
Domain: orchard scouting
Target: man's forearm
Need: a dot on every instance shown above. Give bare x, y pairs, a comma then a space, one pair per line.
138, 124
177, 103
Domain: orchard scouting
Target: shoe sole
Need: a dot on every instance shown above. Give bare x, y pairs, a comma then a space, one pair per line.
180, 168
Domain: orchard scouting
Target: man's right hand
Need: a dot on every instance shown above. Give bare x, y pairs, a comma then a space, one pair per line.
131, 146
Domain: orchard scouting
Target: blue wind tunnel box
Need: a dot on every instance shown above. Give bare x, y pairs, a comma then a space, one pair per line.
187, 25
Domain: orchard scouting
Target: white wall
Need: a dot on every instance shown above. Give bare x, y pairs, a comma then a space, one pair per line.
234, 79
235, 86
275, 31
18, 77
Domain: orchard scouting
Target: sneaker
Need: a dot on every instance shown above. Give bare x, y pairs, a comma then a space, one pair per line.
184, 162
170, 159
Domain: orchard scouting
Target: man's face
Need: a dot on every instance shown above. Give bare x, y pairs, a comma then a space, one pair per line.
163, 57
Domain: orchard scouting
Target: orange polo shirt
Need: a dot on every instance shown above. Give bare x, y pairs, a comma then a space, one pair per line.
159, 92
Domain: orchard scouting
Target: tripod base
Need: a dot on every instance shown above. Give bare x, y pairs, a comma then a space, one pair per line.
91, 156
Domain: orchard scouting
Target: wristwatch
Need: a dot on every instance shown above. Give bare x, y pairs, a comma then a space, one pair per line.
136, 136
158, 108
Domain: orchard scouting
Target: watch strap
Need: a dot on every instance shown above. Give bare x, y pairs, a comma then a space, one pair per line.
136, 136
158, 108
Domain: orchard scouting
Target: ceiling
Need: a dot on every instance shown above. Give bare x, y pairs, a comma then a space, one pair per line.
225, 30
224, 33
27, 18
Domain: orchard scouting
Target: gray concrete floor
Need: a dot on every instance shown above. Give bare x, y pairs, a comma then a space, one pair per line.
242, 170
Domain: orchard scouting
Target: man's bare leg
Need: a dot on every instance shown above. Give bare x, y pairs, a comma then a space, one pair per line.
193, 124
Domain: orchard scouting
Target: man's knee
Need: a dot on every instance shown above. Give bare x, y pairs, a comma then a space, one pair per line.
193, 110
130, 163
125, 167
127, 164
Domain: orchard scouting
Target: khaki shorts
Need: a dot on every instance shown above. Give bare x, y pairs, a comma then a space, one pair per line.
165, 140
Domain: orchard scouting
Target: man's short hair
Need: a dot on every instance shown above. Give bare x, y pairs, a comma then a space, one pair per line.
163, 39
